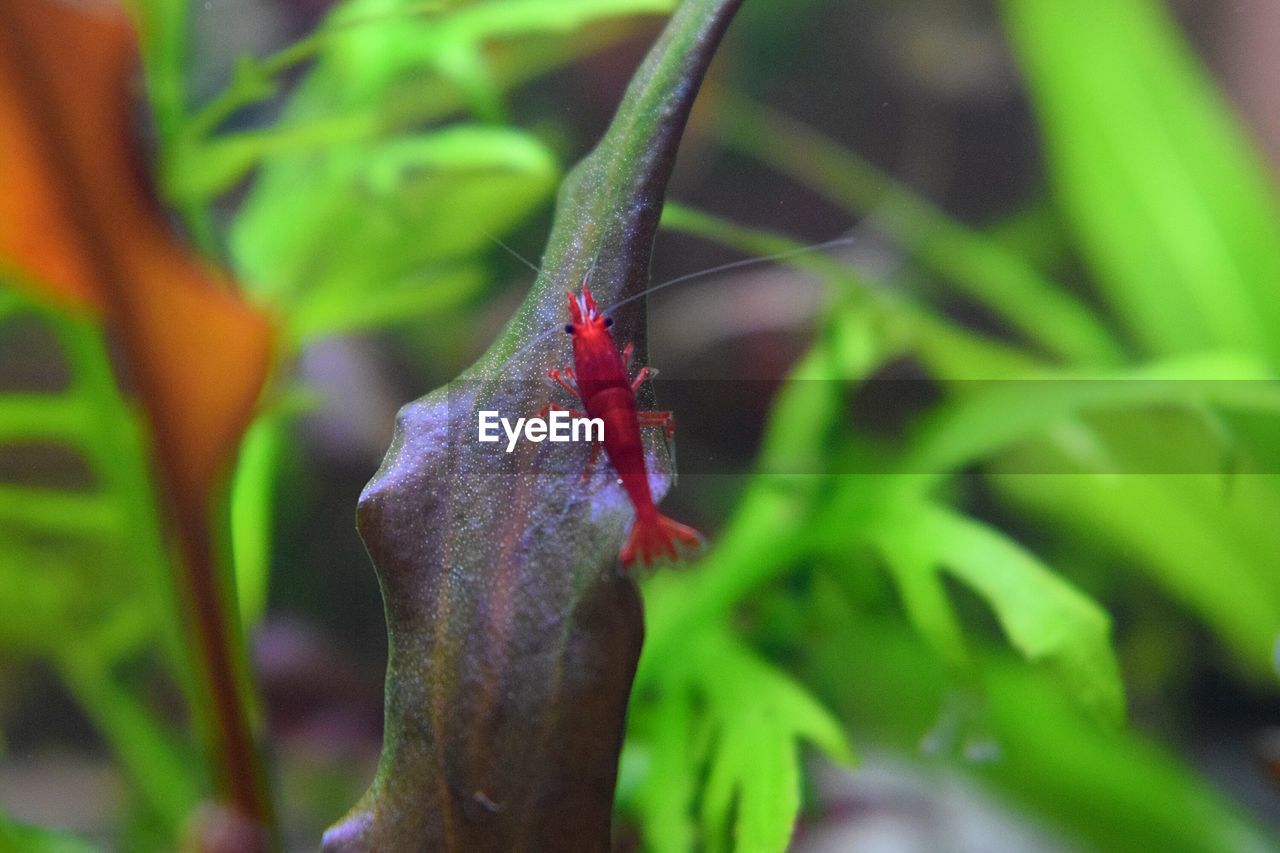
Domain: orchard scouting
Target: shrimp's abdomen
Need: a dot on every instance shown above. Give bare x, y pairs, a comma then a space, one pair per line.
616, 407
601, 374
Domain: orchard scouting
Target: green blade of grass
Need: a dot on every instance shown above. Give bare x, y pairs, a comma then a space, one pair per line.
1174, 211
994, 416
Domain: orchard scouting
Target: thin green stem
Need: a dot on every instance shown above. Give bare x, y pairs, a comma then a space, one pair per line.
155, 763
254, 81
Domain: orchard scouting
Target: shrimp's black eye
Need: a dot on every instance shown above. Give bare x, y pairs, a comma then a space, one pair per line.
568, 328
608, 322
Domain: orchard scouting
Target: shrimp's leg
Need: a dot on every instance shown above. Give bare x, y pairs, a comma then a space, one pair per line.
664, 419
627, 352
552, 407
645, 374
667, 421
566, 379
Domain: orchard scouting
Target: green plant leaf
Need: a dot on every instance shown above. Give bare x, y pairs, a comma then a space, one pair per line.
1173, 209
663, 801
378, 69
85, 583
365, 59
913, 564
724, 712
988, 417
1110, 788
1047, 620
1205, 539
56, 511
769, 528
359, 235
252, 501
22, 838
754, 768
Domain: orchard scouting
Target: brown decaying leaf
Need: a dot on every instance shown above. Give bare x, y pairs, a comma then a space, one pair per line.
78, 228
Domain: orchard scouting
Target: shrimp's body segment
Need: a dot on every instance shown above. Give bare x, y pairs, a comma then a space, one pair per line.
599, 379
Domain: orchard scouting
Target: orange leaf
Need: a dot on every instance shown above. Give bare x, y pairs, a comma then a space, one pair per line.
77, 225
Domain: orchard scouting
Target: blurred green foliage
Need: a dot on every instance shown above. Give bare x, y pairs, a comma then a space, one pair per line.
832, 609
31, 839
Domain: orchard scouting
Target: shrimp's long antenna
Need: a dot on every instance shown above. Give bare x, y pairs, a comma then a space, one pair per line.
732, 265
513, 253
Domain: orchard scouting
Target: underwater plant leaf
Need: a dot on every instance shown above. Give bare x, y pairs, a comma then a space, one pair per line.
770, 525
15, 836
1173, 208
77, 228
1109, 788
754, 770
366, 60
372, 78
48, 417
252, 500
85, 577
1174, 504
513, 634
994, 416
373, 228
358, 235
1046, 619
912, 563
663, 801
745, 739
1170, 526
57, 511
766, 534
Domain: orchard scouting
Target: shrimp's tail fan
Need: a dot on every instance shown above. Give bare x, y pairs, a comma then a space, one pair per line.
659, 538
